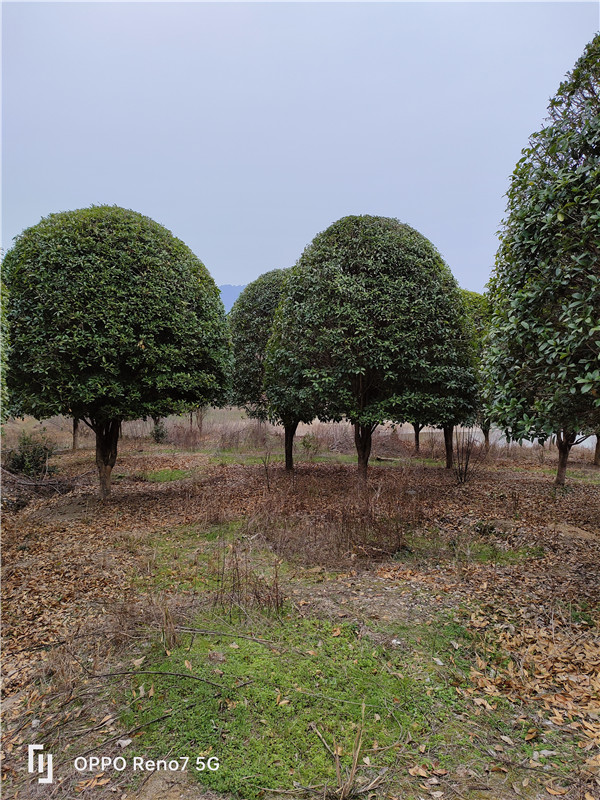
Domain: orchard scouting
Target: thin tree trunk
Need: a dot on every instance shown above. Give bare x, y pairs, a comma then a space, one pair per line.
486, 436
75, 433
597, 451
564, 442
290, 432
448, 434
107, 437
363, 437
417, 429
200, 413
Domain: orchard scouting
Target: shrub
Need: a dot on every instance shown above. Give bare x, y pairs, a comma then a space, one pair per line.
159, 432
30, 458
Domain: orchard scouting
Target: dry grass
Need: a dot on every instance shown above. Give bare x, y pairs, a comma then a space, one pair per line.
324, 517
240, 588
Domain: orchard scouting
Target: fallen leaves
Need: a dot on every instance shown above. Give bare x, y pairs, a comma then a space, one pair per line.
554, 660
555, 791
68, 560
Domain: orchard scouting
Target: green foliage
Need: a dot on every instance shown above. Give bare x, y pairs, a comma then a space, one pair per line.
3, 349
111, 317
372, 327
159, 432
167, 475
250, 321
316, 674
543, 361
479, 314
30, 457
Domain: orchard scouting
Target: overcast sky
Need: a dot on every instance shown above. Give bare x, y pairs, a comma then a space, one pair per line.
247, 128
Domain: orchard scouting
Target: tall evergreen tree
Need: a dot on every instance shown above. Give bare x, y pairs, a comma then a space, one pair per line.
543, 359
372, 328
111, 318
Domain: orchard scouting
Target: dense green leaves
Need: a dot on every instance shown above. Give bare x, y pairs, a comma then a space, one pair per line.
250, 321
371, 328
479, 314
3, 351
544, 348
111, 317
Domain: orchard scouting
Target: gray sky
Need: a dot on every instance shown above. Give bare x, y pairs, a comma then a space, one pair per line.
247, 128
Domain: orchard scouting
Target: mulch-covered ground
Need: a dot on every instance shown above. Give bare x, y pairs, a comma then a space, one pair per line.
70, 560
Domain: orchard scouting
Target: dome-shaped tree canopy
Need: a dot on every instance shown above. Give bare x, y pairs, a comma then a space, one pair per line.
111, 318
374, 323
250, 320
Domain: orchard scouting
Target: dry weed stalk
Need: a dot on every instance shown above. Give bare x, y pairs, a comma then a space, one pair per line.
469, 455
338, 526
239, 587
347, 785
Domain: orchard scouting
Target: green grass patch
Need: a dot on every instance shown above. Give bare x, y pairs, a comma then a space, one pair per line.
261, 725
331, 457
225, 457
309, 674
483, 552
166, 475
184, 557
430, 546
425, 461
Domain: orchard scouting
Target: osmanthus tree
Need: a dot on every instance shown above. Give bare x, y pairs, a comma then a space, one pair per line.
251, 320
478, 310
452, 400
369, 329
111, 318
3, 349
543, 358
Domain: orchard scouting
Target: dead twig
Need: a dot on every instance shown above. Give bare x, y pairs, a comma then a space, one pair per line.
372, 784
314, 728
347, 787
158, 672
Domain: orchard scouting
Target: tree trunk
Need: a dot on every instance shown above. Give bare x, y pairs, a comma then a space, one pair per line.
107, 437
200, 414
417, 428
448, 434
597, 451
363, 437
75, 433
486, 436
564, 442
290, 431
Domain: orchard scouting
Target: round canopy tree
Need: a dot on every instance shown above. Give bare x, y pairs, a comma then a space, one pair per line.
251, 319
372, 328
544, 346
111, 318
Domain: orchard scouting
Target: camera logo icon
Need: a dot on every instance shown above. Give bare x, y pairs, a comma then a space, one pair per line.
44, 763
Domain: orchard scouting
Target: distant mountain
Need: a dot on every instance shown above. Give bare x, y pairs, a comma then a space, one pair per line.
229, 294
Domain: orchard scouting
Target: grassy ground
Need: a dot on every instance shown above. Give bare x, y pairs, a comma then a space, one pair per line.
416, 639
